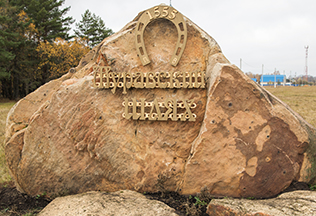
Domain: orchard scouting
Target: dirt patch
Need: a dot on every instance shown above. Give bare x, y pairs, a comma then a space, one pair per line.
297, 186
14, 203
184, 205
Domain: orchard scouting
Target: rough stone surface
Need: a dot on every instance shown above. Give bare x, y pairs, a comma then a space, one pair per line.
68, 137
97, 203
248, 142
292, 203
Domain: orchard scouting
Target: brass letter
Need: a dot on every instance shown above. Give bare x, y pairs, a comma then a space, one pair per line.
124, 82
184, 83
105, 84
190, 80
129, 75
135, 114
95, 77
196, 83
127, 114
150, 84
202, 79
154, 116
112, 75
165, 115
141, 83
161, 85
174, 114
174, 82
171, 105
187, 114
142, 109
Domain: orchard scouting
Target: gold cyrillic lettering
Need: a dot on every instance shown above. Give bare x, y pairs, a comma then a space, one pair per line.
124, 83
202, 79
184, 80
150, 75
154, 116
105, 78
187, 114
140, 76
127, 114
163, 75
169, 109
129, 75
174, 114
135, 114
196, 83
174, 83
190, 80
170, 106
142, 109
113, 76
96, 75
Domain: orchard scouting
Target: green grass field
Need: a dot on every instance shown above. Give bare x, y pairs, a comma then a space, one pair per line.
300, 99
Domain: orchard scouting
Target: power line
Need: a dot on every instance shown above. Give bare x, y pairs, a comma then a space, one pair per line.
242, 64
242, 61
251, 65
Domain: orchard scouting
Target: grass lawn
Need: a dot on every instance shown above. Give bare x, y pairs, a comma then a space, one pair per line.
301, 99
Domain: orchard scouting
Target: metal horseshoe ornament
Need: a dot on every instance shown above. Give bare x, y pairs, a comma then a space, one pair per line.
161, 12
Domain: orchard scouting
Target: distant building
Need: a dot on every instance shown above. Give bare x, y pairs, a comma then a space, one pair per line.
272, 80
254, 79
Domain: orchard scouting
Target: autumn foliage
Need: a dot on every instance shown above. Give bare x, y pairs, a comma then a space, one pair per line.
61, 55
35, 45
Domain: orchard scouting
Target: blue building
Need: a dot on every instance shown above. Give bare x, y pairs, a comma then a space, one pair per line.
266, 80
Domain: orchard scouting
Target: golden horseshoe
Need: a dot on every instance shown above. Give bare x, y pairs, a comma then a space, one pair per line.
161, 12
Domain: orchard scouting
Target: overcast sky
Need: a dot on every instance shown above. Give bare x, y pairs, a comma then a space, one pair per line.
272, 33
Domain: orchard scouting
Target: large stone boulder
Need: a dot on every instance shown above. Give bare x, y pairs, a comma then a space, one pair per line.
97, 203
69, 136
291, 203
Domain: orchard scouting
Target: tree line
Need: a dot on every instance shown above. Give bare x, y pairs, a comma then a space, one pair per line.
35, 44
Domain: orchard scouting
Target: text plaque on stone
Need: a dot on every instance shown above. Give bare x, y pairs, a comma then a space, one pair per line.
157, 110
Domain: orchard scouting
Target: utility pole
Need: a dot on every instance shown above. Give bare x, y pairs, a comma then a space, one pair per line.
306, 67
240, 63
170, 4
274, 77
262, 76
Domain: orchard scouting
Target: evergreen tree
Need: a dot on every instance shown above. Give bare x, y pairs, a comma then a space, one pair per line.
47, 17
26, 59
6, 39
24, 25
49, 22
13, 57
92, 28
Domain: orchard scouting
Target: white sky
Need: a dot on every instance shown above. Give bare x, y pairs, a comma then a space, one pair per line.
272, 33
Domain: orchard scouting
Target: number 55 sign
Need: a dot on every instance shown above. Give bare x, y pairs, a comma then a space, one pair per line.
161, 12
